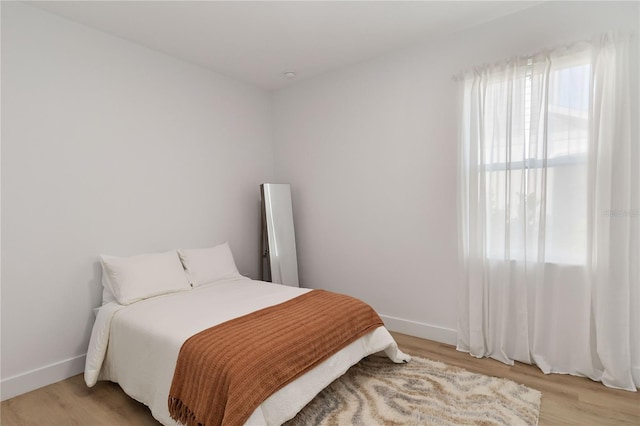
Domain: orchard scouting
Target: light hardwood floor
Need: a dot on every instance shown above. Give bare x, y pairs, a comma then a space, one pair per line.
565, 399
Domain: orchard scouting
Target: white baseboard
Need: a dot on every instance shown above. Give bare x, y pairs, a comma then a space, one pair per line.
419, 329
34, 379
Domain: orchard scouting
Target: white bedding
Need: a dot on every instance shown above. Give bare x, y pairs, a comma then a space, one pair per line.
137, 345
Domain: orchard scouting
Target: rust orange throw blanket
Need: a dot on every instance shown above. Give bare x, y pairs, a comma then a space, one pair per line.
225, 372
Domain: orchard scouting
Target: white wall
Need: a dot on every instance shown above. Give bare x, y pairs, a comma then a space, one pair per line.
370, 152
108, 147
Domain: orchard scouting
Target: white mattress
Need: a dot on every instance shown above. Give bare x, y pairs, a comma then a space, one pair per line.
137, 345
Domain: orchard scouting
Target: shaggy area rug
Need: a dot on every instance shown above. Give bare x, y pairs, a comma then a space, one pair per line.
422, 392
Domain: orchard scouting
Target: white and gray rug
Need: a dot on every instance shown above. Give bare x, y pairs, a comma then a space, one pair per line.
422, 392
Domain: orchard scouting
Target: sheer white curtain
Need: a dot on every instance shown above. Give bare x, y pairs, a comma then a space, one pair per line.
548, 196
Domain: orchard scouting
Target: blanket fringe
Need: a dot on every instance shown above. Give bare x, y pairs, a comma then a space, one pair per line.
181, 413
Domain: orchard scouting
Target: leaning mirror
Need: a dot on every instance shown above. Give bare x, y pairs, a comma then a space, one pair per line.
279, 260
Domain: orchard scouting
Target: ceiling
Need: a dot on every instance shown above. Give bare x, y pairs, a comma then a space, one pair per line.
257, 42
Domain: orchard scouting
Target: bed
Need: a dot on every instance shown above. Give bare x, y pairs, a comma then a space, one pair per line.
137, 345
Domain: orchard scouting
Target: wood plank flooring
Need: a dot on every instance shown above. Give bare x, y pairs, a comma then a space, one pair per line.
566, 400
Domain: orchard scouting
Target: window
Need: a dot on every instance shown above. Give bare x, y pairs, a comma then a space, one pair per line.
533, 138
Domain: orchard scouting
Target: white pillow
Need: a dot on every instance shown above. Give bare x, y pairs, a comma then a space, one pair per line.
208, 265
107, 296
146, 275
